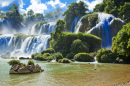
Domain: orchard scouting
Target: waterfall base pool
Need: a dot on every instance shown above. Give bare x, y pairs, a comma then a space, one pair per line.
73, 74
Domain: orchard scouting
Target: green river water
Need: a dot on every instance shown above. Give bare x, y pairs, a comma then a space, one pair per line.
73, 74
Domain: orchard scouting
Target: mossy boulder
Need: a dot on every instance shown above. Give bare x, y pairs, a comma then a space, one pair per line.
83, 57
70, 55
78, 46
64, 60
105, 56
49, 50
57, 56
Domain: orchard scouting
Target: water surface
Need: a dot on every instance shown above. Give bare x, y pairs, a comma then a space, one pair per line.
73, 74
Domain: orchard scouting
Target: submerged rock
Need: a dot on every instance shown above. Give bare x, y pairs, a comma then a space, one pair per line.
25, 69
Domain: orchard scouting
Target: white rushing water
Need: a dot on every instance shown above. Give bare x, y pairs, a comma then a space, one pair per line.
44, 29
24, 45
18, 46
104, 29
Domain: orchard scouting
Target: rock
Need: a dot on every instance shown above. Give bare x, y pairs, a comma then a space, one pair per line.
24, 58
12, 72
20, 69
23, 70
37, 69
15, 67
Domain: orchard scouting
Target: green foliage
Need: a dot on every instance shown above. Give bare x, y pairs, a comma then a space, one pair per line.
49, 50
30, 62
45, 56
77, 46
124, 12
74, 10
39, 17
14, 14
60, 26
99, 7
57, 56
63, 42
105, 56
70, 55
13, 62
119, 8
83, 57
64, 60
121, 43
34, 55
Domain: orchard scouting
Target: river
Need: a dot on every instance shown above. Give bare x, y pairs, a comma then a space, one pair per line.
72, 74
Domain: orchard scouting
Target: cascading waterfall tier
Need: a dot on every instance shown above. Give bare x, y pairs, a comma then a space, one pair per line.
107, 27
35, 40
44, 29
23, 45
74, 23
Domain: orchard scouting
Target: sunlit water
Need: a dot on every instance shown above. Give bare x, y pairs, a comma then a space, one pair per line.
73, 74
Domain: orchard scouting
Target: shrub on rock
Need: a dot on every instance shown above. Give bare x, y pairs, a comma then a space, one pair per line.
13, 62
105, 56
78, 47
49, 50
64, 60
83, 57
30, 62
57, 56
70, 55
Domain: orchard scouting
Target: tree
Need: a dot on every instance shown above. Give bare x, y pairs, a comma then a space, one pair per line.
121, 43
60, 26
99, 7
74, 10
124, 12
14, 14
30, 13
49, 16
14, 7
39, 17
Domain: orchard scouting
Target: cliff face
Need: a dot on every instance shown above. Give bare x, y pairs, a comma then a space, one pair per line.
88, 21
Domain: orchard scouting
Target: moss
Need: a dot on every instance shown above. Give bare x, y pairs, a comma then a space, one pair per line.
77, 46
70, 55
105, 56
63, 43
49, 50
41, 23
83, 57
64, 60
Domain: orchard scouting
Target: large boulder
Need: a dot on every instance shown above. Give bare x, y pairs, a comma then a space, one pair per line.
25, 69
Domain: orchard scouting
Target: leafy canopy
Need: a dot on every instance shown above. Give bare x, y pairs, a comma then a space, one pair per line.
121, 43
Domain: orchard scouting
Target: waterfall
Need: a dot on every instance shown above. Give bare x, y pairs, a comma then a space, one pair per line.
78, 26
107, 27
18, 46
24, 45
74, 23
44, 29
104, 29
